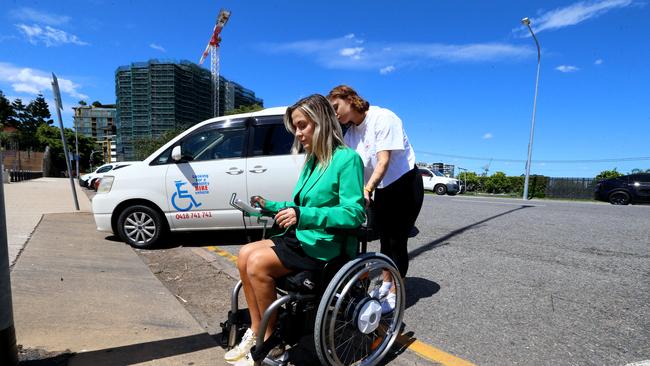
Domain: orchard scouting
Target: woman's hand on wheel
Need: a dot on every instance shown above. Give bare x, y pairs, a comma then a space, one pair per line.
286, 218
257, 201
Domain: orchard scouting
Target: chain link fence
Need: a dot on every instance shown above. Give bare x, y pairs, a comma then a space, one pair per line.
575, 188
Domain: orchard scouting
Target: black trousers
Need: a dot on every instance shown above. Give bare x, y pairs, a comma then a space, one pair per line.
396, 207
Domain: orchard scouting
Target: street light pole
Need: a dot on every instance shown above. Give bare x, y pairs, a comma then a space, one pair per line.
526, 22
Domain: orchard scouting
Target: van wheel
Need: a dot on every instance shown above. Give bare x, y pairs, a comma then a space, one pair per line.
619, 198
140, 226
441, 189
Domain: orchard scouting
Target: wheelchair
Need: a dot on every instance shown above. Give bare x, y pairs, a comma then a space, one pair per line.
340, 307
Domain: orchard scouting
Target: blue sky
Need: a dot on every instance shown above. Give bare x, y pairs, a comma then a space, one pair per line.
461, 75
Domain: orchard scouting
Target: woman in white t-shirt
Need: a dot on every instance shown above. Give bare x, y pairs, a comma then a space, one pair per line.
390, 175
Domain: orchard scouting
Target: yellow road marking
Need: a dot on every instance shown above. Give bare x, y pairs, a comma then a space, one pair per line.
223, 253
433, 354
420, 348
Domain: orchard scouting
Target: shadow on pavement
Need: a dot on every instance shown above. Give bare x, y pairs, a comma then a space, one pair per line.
135, 353
441, 241
202, 238
419, 288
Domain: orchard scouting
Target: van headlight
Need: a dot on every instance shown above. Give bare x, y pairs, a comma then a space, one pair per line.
105, 184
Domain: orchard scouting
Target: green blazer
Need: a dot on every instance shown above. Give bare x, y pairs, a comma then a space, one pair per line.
330, 198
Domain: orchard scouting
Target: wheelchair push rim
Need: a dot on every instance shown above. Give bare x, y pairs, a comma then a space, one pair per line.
350, 329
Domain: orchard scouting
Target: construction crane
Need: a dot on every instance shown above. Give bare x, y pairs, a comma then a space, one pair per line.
213, 50
486, 167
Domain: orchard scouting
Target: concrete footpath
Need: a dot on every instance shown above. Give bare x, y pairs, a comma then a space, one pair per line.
27, 201
75, 290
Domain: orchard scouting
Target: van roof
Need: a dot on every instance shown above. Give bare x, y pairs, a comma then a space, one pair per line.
264, 112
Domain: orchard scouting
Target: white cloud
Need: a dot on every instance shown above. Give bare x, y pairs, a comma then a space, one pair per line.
598, 62
158, 47
567, 68
487, 136
344, 53
35, 16
572, 15
387, 70
33, 81
354, 53
48, 36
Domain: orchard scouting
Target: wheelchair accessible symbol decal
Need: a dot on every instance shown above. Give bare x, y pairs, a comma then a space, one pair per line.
183, 196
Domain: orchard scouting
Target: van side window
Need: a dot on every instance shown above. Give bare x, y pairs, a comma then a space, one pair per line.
212, 144
105, 169
271, 139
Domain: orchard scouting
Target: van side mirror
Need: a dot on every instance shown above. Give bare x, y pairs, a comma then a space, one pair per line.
176, 153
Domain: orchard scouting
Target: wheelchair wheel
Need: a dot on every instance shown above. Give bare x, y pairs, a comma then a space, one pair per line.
350, 328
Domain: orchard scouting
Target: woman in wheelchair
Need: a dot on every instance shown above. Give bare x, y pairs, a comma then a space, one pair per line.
328, 196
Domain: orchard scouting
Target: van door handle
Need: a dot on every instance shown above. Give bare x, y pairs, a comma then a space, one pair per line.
258, 169
234, 171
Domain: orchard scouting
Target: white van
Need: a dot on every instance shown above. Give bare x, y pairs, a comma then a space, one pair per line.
187, 183
435, 181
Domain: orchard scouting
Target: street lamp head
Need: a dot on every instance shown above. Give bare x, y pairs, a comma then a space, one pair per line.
525, 21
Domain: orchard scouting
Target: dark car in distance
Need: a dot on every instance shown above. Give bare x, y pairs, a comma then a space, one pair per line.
633, 188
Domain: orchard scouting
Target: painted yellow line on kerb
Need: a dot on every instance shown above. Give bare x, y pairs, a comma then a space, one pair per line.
223, 253
420, 348
433, 354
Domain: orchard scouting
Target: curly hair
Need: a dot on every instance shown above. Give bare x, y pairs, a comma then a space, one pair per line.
346, 93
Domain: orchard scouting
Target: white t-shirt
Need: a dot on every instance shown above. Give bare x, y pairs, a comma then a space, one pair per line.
381, 130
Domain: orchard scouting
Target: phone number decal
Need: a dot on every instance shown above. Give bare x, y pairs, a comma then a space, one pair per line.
193, 215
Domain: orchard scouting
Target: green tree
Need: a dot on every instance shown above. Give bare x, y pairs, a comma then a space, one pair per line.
82, 103
471, 180
51, 136
40, 111
146, 146
97, 104
638, 171
497, 183
607, 174
6, 112
37, 113
19, 113
244, 109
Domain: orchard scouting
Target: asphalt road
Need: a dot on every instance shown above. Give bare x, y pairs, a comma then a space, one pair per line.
506, 282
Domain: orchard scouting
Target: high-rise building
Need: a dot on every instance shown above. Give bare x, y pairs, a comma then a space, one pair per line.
99, 123
95, 122
158, 96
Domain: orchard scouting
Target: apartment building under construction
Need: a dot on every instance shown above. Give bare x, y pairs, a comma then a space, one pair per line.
158, 96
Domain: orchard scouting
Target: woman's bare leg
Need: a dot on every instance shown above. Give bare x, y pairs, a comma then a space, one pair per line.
251, 300
263, 267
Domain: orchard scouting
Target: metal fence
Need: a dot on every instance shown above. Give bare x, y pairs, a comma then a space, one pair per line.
19, 176
570, 188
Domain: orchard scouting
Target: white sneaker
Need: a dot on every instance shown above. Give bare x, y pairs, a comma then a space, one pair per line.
381, 292
242, 348
388, 304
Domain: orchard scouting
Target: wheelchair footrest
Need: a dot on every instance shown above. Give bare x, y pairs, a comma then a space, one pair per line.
237, 322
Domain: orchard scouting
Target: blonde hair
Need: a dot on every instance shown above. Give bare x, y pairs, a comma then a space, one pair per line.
348, 94
327, 130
